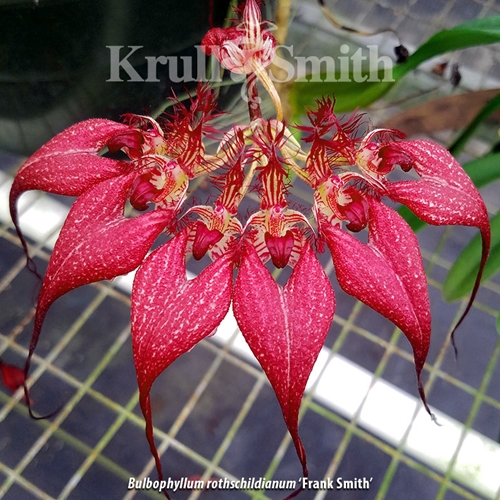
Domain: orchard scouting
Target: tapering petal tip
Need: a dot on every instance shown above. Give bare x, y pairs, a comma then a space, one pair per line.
285, 327
170, 314
443, 195
387, 274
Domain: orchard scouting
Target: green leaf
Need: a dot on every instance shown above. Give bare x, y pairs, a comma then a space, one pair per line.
353, 94
462, 275
415, 223
459, 143
349, 95
469, 34
484, 170
498, 323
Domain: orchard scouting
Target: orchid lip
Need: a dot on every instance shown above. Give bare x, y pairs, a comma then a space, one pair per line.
205, 239
280, 248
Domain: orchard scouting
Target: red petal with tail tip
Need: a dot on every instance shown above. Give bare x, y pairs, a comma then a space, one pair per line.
170, 314
285, 327
387, 274
68, 165
443, 195
96, 243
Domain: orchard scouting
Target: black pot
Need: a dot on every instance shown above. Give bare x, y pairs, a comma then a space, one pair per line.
62, 61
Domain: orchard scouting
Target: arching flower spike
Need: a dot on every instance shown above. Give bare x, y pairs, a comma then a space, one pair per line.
348, 171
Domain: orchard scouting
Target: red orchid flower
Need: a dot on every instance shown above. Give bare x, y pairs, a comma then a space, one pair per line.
170, 314
284, 326
98, 241
245, 48
387, 273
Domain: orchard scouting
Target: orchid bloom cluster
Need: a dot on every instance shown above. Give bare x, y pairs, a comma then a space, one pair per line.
284, 326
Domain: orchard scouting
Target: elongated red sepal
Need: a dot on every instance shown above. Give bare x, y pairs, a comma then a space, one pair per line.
443, 195
285, 327
170, 314
96, 243
68, 165
387, 274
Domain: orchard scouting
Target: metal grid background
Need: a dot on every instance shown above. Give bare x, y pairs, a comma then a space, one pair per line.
214, 412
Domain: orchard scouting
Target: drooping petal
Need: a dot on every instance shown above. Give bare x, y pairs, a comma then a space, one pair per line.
96, 243
394, 239
68, 165
285, 327
443, 195
171, 314
387, 274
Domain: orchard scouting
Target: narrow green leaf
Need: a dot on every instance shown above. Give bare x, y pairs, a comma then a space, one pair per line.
491, 106
352, 94
415, 223
349, 95
469, 34
498, 330
484, 170
462, 275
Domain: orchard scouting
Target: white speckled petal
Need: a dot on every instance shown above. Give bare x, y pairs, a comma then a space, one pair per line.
285, 327
444, 194
387, 274
170, 314
68, 164
96, 243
